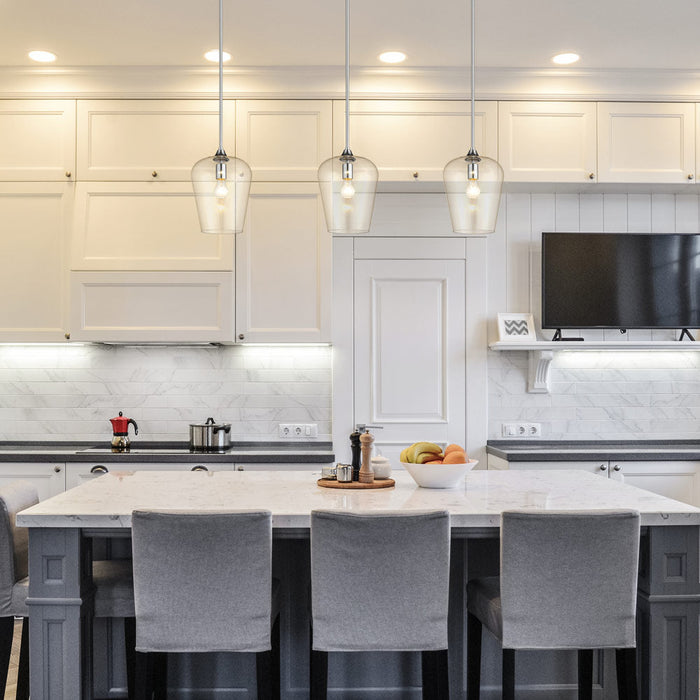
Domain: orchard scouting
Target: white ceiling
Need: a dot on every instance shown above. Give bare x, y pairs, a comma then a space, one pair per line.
510, 33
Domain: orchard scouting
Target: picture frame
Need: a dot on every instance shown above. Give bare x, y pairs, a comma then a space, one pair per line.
516, 328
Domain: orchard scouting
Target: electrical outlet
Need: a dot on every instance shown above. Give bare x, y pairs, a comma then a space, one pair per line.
302, 431
521, 430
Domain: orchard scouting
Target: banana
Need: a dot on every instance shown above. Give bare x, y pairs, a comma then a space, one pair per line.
424, 457
404, 454
417, 447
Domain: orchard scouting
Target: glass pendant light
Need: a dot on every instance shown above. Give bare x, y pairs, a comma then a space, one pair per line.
221, 184
473, 182
348, 182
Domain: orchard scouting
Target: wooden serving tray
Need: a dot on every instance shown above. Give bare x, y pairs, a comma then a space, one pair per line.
377, 484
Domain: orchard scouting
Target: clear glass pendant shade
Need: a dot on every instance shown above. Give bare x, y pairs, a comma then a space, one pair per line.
348, 193
473, 194
221, 193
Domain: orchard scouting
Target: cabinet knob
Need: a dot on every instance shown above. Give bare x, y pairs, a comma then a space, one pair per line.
199, 468
591, 176
691, 176
99, 469
241, 336
617, 468
66, 336
240, 469
415, 175
68, 173
603, 467
154, 173
57, 469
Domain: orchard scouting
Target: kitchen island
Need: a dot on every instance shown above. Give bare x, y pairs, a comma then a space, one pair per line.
61, 528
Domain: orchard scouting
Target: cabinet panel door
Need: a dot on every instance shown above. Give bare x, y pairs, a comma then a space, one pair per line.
132, 139
138, 226
37, 140
649, 142
283, 267
409, 351
284, 140
33, 282
152, 306
404, 138
48, 477
679, 480
547, 141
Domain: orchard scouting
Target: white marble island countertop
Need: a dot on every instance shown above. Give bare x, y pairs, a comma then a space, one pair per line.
108, 501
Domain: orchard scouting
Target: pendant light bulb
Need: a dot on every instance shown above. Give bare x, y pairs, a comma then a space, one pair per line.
221, 184
473, 182
347, 182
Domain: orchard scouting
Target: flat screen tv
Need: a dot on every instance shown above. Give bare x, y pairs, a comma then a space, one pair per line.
621, 280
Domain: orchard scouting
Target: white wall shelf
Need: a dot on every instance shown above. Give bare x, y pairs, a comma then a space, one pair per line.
541, 354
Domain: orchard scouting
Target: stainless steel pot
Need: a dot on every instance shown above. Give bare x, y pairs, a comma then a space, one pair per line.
210, 436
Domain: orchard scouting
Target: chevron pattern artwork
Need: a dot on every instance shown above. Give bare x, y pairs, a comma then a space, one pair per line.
515, 328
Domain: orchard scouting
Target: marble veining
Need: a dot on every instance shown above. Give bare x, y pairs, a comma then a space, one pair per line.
108, 501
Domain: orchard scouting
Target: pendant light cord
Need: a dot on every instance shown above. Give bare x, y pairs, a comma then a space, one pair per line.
473, 52
347, 75
221, 75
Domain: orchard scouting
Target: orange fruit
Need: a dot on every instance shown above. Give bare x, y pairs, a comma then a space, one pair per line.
434, 461
453, 448
455, 457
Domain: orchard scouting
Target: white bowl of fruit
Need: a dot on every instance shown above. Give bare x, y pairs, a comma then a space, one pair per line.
433, 468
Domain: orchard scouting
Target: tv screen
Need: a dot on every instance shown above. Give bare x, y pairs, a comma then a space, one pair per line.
620, 280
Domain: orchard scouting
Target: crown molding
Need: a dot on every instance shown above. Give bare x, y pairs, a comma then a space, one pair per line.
366, 82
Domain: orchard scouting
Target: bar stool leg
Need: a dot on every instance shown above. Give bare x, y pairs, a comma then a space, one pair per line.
23, 669
473, 657
508, 674
130, 653
160, 675
276, 659
319, 675
585, 674
626, 664
7, 629
434, 669
143, 676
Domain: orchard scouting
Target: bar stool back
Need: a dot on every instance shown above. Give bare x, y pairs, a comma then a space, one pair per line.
362, 562
203, 583
568, 581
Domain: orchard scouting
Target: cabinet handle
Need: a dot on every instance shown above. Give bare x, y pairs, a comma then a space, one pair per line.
240, 469
199, 468
591, 176
66, 336
603, 467
68, 173
691, 176
241, 336
57, 469
617, 468
154, 173
99, 469
415, 175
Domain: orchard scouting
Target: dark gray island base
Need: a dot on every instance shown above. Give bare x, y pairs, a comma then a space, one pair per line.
60, 590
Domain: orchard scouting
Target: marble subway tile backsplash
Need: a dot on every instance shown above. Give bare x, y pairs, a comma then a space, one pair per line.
69, 392
600, 395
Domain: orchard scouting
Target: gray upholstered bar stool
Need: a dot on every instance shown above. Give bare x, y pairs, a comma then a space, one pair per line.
203, 583
112, 579
568, 581
380, 582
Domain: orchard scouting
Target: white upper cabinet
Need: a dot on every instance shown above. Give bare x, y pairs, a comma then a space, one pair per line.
547, 141
411, 140
283, 267
149, 139
37, 140
284, 140
646, 142
33, 276
143, 226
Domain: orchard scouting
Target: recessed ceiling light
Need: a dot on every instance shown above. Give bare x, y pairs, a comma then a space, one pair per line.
564, 59
392, 57
213, 56
42, 56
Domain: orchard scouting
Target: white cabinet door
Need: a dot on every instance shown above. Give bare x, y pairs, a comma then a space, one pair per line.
409, 351
138, 226
33, 279
283, 267
674, 479
37, 140
646, 142
135, 307
547, 141
48, 477
148, 139
413, 140
284, 140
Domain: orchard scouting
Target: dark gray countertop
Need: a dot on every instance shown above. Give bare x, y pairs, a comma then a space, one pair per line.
172, 452
582, 450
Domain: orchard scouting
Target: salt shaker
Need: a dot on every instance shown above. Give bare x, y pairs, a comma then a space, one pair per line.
366, 473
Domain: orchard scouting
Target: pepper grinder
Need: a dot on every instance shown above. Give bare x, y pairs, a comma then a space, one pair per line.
366, 473
355, 448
